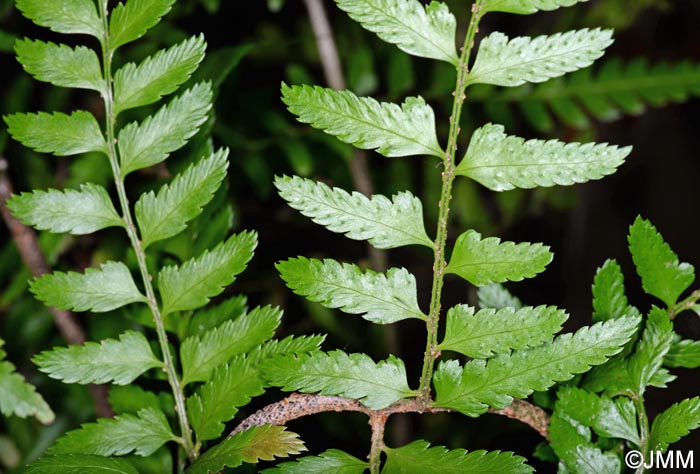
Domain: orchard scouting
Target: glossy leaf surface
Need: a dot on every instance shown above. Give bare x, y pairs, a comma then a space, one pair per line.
382, 299
76, 212
385, 223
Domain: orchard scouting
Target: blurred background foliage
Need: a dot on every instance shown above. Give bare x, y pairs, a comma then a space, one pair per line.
644, 92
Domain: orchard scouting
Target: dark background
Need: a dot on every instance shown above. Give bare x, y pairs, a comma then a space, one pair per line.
584, 224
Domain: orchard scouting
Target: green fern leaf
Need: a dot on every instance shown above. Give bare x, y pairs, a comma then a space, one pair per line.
489, 331
662, 274
525, 7
57, 133
19, 398
333, 460
364, 122
683, 353
61, 65
130, 20
609, 299
502, 162
674, 423
97, 290
117, 361
80, 464
288, 345
142, 434
385, 223
258, 443
609, 418
612, 378
75, 212
511, 62
418, 456
576, 452
485, 261
650, 351
382, 299
64, 16
167, 213
231, 386
356, 376
613, 90
192, 284
149, 143
200, 355
427, 32
132, 398
211, 316
157, 75
480, 384
496, 296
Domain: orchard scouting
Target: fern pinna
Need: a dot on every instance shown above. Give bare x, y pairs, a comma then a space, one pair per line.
213, 370
512, 350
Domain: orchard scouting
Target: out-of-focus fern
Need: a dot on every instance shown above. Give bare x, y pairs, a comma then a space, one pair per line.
606, 94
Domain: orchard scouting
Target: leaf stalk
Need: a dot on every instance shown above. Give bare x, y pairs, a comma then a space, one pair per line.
439, 263
169, 366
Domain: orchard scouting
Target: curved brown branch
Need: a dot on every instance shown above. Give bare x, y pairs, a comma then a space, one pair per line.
298, 405
33, 257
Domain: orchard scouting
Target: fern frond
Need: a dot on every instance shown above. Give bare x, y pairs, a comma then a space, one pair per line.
494, 383
606, 93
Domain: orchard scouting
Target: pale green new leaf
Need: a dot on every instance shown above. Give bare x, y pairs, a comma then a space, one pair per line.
385, 223
157, 75
61, 65
525, 7
428, 32
19, 398
502, 162
479, 385
382, 299
230, 386
496, 296
392, 130
200, 355
418, 456
258, 443
142, 434
650, 351
195, 282
116, 361
683, 353
489, 331
75, 212
356, 376
609, 418
57, 133
333, 460
98, 289
674, 423
511, 62
662, 274
80, 464
167, 213
609, 299
485, 261
64, 16
152, 141
130, 20
576, 452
